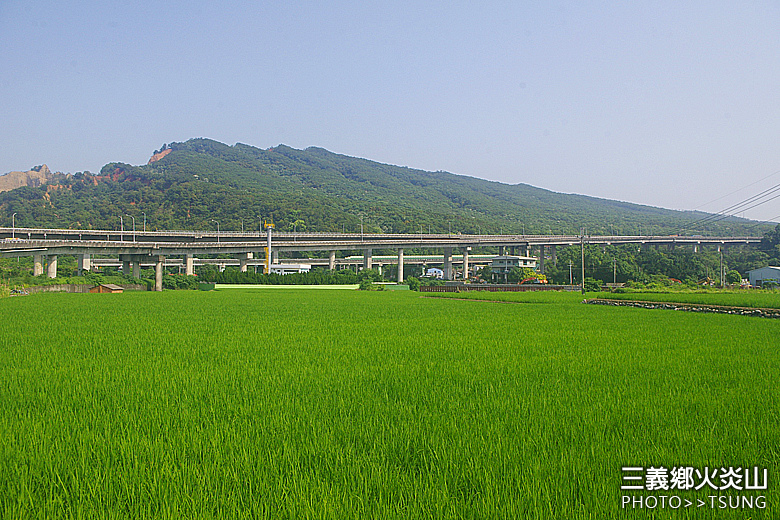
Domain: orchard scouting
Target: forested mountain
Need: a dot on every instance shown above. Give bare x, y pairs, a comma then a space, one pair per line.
200, 180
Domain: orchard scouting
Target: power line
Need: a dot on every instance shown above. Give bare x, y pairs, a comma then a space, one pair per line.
770, 221
737, 190
735, 208
744, 205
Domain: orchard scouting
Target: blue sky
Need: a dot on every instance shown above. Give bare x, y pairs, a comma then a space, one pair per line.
663, 103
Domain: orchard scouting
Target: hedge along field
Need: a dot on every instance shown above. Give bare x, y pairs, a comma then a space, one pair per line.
342, 404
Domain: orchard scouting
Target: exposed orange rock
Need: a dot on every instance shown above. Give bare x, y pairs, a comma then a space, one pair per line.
32, 178
156, 157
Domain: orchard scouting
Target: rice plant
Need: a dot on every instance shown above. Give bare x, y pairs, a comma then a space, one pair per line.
347, 404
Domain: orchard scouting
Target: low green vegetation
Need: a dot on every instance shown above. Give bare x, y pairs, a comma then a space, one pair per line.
351, 404
286, 287
316, 276
769, 299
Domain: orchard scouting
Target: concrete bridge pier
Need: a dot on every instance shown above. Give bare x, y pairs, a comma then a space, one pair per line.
448, 263
189, 265
400, 265
332, 260
466, 262
695, 248
541, 259
84, 263
158, 273
131, 264
243, 261
554, 256
51, 270
368, 259
37, 265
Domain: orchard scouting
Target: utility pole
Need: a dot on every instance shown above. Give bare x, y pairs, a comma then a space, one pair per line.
571, 279
614, 270
720, 250
582, 250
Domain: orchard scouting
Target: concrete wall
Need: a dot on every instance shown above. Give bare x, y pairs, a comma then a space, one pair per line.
76, 288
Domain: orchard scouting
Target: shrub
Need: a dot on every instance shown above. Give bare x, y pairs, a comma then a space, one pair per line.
733, 277
592, 285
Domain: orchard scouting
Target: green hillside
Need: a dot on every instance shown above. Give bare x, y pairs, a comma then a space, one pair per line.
315, 190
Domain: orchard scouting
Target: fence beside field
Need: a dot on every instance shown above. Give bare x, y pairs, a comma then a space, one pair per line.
77, 288
497, 288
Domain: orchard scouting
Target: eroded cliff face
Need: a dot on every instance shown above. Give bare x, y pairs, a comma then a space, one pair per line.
35, 177
159, 155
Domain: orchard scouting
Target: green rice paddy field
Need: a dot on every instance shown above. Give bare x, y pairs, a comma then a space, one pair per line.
348, 404
748, 298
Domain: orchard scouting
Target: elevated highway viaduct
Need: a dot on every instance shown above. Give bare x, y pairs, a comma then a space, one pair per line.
153, 247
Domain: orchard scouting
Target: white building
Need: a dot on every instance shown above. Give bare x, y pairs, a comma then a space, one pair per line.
290, 268
504, 264
757, 277
435, 272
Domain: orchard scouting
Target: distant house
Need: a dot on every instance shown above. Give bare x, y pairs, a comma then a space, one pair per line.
759, 276
107, 288
290, 268
504, 264
501, 266
434, 272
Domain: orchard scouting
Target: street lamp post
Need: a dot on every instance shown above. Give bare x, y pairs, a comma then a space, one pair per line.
132, 217
121, 229
144, 222
13, 225
217, 230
